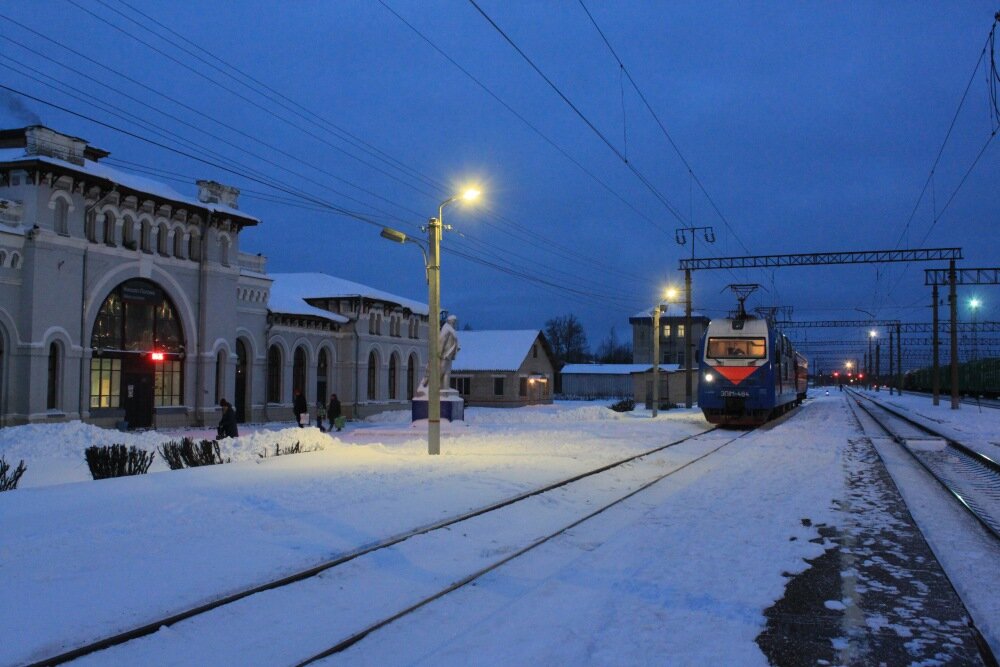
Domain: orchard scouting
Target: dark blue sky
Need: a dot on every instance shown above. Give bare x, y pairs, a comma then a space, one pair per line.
812, 126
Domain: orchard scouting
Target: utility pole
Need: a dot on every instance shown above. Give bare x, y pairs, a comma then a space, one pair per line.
953, 303
936, 368
899, 361
680, 236
656, 358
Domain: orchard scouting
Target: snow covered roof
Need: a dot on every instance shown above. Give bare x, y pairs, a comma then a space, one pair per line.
669, 310
290, 290
124, 178
493, 350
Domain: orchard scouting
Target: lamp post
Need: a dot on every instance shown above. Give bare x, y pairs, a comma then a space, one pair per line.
871, 360
433, 263
974, 305
671, 294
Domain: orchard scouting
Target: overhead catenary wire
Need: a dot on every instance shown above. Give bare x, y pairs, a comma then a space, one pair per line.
549, 246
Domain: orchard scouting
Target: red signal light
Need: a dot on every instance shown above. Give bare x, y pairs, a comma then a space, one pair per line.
861, 376
836, 374
156, 356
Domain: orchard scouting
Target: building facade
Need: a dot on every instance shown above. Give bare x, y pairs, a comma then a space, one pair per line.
123, 301
503, 369
672, 322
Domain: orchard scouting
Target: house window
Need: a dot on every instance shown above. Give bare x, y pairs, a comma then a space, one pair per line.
666, 331
463, 385
52, 401
105, 382
411, 374
680, 331
372, 376
167, 388
522, 387
178, 243
109, 228
498, 386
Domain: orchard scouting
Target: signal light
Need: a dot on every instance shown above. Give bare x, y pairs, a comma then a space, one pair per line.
836, 374
861, 376
156, 356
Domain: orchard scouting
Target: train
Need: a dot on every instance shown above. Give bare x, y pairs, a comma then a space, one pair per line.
975, 378
749, 372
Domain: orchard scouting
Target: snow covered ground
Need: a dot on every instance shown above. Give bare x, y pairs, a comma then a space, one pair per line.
684, 570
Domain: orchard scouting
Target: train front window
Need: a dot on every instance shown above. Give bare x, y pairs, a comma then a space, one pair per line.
736, 348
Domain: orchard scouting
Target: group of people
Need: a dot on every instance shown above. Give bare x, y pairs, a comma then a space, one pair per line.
331, 411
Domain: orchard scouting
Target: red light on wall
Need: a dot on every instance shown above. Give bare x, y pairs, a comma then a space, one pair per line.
156, 356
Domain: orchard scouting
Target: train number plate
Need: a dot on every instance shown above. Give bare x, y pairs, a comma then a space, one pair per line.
728, 393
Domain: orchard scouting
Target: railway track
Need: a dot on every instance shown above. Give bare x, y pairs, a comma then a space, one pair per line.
333, 579
968, 475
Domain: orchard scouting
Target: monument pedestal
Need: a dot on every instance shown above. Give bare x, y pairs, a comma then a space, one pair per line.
452, 406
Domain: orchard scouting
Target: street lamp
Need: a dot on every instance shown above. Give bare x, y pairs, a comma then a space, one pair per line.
434, 228
872, 370
433, 266
974, 304
670, 294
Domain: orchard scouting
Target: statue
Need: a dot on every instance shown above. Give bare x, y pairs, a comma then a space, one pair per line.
448, 348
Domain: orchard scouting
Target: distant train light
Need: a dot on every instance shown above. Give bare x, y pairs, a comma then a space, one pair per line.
709, 377
156, 356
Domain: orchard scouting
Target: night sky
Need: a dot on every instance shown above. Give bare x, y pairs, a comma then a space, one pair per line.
810, 126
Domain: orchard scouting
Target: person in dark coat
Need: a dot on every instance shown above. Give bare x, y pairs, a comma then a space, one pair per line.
299, 407
227, 425
333, 411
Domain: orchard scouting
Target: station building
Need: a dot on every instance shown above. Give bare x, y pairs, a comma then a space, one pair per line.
123, 301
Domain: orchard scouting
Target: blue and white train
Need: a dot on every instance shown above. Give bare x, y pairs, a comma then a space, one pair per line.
749, 372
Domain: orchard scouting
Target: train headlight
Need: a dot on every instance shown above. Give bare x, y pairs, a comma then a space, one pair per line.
709, 377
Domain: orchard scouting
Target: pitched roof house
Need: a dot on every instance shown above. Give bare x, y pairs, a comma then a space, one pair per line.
503, 368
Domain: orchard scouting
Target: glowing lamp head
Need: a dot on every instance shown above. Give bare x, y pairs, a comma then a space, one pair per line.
471, 194
975, 303
156, 356
671, 293
872, 333
709, 377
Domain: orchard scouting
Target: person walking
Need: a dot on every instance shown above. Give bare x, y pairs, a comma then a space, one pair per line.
227, 425
320, 415
300, 408
333, 413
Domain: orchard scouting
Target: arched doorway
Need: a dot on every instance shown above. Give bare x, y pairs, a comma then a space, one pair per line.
372, 376
322, 373
411, 373
393, 375
274, 374
138, 348
299, 371
240, 398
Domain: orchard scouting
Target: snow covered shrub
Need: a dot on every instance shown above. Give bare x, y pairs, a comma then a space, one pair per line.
187, 454
9, 482
624, 405
117, 461
278, 450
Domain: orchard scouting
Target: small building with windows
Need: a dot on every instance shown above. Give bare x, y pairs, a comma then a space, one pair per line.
672, 322
124, 301
503, 369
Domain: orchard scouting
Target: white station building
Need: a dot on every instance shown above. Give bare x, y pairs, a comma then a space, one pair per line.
123, 301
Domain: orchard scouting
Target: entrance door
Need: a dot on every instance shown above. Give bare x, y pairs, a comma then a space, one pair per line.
241, 382
137, 392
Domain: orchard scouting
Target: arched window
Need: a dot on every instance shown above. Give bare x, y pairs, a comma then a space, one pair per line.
372, 376
163, 239
220, 375
393, 376
179, 243
411, 371
274, 374
137, 317
3, 258
52, 402
90, 226
240, 397
15, 261
322, 372
299, 370
128, 233
109, 228
146, 237
194, 247
224, 251
62, 217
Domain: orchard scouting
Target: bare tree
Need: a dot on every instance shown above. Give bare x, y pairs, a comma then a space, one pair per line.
611, 351
568, 339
